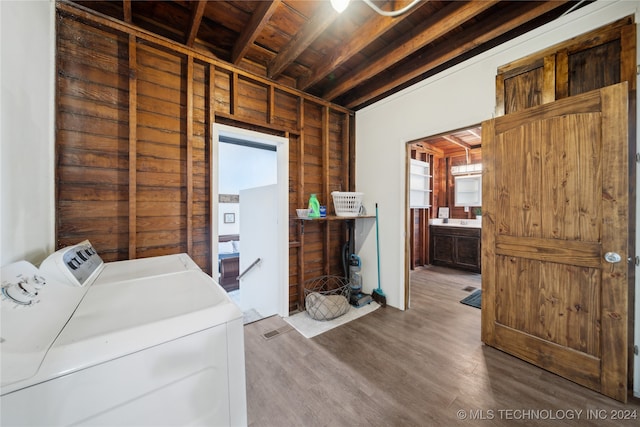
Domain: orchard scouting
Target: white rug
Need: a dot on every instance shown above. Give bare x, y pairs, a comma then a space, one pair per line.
310, 327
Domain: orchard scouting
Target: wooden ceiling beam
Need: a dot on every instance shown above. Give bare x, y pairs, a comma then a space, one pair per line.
442, 54
259, 19
126, 11
368, 33
475, 132
320, 21
455, 140
445, 20
196, 18
426, 147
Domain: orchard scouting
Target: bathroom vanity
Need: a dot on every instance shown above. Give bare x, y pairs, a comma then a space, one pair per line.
455, 244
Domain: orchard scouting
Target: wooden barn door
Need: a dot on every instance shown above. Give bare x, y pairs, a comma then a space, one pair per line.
555, 212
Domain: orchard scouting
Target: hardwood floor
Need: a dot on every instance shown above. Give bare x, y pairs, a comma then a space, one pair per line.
420, 367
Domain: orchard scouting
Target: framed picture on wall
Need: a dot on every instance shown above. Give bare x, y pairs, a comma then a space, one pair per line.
229, 218
443, 212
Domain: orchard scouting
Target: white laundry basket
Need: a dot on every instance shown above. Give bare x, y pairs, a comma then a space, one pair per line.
347, 203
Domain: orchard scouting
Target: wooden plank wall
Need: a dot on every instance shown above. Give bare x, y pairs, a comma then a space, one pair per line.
133, 132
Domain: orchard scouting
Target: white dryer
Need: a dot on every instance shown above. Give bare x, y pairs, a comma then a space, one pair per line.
152, 341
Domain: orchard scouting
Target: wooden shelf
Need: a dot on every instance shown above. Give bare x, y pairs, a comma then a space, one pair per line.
336, 218
419, 184
329, 218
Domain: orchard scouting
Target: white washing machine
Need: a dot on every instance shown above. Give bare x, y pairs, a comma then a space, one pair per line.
151, 342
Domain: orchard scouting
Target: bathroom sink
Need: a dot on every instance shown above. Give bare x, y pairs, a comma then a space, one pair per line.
456, 222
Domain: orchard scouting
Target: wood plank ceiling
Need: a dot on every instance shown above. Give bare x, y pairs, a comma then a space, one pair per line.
353, 58
464, 139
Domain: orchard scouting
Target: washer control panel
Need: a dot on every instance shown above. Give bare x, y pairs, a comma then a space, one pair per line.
76, 265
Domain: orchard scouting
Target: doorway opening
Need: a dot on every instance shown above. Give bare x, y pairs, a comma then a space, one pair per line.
250, 189
444, 191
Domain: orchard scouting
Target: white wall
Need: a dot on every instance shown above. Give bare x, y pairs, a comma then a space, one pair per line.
244, 167
27, 38
456, 98
240, 168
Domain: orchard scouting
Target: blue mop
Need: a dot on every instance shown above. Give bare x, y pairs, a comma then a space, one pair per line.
377, 294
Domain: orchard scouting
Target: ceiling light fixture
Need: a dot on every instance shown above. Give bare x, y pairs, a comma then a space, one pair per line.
474, 168
341, 5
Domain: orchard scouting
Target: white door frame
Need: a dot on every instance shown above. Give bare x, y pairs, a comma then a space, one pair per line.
282, 155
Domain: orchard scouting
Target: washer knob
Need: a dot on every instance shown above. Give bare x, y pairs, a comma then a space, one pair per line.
21, 293
36, 281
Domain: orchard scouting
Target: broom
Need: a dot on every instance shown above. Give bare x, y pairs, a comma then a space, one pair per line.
377, 294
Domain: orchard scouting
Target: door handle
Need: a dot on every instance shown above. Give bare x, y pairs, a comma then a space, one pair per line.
612, 257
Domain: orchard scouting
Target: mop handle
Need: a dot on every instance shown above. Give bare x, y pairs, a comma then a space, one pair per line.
378, 247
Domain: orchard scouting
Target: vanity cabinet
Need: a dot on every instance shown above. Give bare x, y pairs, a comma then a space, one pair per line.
455, 247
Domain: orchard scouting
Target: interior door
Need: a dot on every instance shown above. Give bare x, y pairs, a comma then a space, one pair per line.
554, 238
259, 240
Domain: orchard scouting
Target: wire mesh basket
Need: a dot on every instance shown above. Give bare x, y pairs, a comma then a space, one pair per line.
326, 297
347, 203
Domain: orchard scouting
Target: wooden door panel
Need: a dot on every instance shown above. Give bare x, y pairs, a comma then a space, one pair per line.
556, 250
574, 365
556, 200
557, 204
524, 90
595, 67
591, 61
568, 212
549, 301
